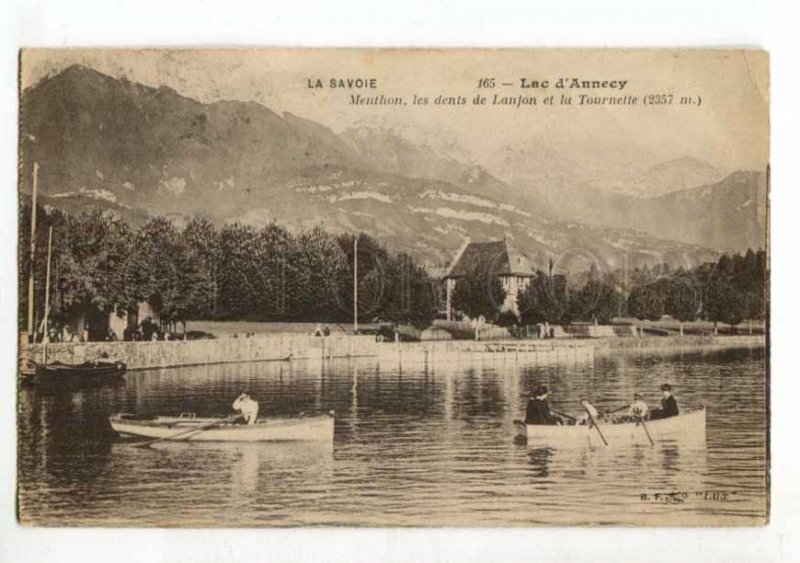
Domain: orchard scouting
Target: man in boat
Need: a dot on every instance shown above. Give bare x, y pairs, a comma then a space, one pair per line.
538, 411
669, 406
247, 407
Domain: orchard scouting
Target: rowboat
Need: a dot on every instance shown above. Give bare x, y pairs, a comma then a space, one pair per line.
189, 428
688, 427
95, 371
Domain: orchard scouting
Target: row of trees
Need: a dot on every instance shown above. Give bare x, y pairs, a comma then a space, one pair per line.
101, 263
728, 291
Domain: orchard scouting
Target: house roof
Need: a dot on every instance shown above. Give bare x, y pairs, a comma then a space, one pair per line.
495, 255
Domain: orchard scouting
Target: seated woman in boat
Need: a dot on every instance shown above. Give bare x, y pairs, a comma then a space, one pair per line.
669, 406
248, 407
538, 411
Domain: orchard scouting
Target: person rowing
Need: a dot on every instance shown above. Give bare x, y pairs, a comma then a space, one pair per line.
538, 410
247, 407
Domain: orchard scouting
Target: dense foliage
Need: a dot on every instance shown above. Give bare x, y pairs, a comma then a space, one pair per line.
101, 264
479, 294
544, 300
729, 291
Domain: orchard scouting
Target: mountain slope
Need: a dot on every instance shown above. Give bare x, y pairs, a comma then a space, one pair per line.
394, 152
730, 214
677, 174
673, 201
114, 143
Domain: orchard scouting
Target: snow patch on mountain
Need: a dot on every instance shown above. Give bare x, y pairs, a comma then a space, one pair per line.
174, 185
450, 213
471, 200
90, 193
314, 189
383, 198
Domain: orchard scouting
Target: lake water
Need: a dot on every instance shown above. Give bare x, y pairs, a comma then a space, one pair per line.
412, 446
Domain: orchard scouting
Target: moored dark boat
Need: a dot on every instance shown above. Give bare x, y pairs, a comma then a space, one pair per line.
95, 371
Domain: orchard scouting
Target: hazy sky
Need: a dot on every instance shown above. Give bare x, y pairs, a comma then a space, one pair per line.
729, 129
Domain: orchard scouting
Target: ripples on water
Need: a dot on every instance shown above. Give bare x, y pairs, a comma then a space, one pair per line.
412, 446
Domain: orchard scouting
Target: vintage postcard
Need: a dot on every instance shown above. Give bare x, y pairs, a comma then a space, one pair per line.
271, 288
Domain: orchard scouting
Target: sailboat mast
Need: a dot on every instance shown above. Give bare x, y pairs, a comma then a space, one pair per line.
45, 338
31, 329
355, 286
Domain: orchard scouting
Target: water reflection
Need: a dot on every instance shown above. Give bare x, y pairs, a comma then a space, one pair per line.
422, 446
540, 459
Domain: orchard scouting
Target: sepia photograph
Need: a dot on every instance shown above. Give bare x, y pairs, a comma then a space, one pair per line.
268, 288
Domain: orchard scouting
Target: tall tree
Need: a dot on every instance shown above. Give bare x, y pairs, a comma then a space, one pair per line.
324, 265
201, 240
545, 299
410, 295
683, 300
479, 293
236, 271
646, 302
162, 271
372, 276
599, 300
723, 303
91, 253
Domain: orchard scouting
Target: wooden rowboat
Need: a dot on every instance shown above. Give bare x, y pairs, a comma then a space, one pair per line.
289, 429
96, 371
688, 427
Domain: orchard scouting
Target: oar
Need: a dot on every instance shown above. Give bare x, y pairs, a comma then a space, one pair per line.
200, 428
641, 419
564, 414
586, 406
526, 395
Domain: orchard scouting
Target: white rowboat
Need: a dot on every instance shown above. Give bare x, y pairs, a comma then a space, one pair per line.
688, 427
179, 428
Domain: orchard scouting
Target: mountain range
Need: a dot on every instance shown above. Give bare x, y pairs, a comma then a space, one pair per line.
140, 151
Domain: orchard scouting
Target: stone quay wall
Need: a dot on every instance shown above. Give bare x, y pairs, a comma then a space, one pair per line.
276, 347
159, 354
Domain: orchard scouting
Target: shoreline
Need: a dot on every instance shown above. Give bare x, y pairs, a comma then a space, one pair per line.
291, 347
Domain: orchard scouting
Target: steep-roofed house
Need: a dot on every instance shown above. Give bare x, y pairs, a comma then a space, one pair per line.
495, 257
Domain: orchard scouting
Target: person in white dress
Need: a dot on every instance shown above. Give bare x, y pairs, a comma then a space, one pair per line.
638, 408
247, 406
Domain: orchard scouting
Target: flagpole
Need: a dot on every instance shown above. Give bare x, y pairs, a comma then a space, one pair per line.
31, 330
355, 286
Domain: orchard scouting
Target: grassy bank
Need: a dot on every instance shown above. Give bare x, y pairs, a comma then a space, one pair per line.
668, 327
680, 342
225, 328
